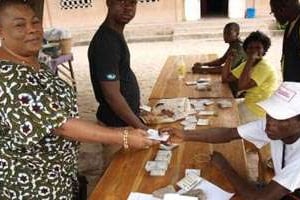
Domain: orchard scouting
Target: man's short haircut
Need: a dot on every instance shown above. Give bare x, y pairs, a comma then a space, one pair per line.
258, 36
280, 3
233, 26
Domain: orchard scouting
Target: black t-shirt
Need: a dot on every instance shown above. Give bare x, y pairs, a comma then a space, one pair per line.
109, 60
291, 54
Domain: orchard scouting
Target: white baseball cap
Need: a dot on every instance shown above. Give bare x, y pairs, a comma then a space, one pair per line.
284, 103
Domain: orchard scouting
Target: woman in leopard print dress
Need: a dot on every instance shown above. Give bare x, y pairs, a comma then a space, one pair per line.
39, 125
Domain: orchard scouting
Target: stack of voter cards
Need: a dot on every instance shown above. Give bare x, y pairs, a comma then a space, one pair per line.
190, 181
159, 166
224, 103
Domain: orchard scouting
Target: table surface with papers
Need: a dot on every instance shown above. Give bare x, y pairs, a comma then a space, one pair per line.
127, 173
169, 86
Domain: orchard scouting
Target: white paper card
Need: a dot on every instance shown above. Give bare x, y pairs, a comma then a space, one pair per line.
141, 196
194, 171
154, 135
189, 181
203, 122
188, 83
146, 108
207, 112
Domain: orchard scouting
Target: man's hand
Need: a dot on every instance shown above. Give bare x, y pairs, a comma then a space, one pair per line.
218, 160
196, 67
176, 135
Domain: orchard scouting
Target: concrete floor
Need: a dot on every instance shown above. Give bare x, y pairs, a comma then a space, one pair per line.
147, 60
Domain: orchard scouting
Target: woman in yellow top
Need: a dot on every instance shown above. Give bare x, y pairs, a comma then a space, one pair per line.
255, 76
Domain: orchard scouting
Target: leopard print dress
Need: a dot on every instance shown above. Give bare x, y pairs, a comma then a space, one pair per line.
34, 162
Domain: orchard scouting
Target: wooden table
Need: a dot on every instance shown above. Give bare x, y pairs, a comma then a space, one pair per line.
169, 86
126, 173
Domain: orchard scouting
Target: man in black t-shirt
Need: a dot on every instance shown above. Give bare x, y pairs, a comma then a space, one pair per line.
288, 12
114, 83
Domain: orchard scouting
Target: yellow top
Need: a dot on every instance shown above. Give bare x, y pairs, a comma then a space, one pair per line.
266, 80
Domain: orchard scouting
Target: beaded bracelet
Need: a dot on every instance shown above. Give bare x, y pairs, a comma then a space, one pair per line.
125, 139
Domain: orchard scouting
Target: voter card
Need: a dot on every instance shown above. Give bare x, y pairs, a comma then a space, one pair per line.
208, 102
163, 158
152, 165
188, 83
154, 135
157, 172
191, 118
168, 147
164, 153
207, 112
185, 123
194, 171
146, 108
202, 80
189, 127
203, 122
206, 67
189, 182
225, 104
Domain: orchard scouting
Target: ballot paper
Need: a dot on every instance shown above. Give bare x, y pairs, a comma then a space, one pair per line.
141, 196
154, 135
213, 192
178, 197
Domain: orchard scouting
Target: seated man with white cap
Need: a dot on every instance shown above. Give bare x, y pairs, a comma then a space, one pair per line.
281, 129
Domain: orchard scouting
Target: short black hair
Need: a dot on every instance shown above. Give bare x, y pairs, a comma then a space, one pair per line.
258, 36
280, 3
234, 26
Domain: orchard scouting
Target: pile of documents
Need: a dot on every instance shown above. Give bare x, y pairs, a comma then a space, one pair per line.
159, 166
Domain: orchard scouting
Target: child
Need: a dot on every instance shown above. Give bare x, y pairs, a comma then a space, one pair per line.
231, 36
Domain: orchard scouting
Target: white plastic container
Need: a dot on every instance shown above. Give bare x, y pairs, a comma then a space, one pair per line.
192, 10
236, 8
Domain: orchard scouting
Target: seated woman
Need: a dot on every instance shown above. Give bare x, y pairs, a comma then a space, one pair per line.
255, 76
40, 129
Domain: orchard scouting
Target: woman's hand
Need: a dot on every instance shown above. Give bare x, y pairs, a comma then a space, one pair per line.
137, 138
